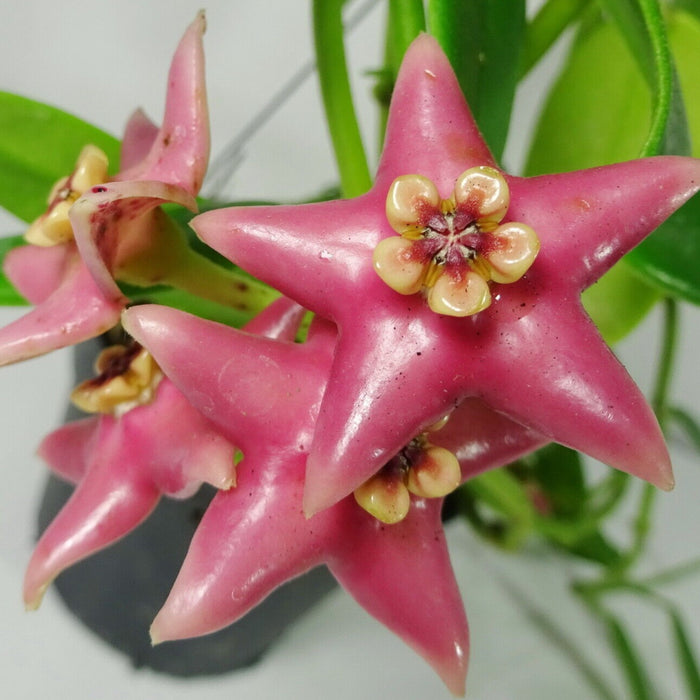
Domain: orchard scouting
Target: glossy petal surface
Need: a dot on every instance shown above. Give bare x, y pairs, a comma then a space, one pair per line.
533, 354
70, 307
265, 396
122, 465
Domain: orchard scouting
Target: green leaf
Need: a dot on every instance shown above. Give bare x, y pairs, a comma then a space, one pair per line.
559, 472
9, 296
686, 656
38, 145
687, 423
587, 121
183, 300
546, 27
597, 548
483, 40
619, 301
669, 257
634, 669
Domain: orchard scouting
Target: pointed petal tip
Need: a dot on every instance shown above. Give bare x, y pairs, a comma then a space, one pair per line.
318, 497
35, 586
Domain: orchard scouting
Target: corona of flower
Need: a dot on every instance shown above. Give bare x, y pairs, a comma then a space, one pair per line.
453, 247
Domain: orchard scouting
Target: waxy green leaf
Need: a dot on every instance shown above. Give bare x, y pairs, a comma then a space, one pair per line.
588, 122
483, 40
9, 296
39, 144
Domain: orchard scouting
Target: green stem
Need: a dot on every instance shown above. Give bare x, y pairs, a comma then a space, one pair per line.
204, 278
570, 532
654, 23
546, 27
405, 21
659, 398
642, 523
337, 97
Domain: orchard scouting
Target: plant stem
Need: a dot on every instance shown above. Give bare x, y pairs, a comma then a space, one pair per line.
337, 97
204, 278
659, 399
656, 28
406, 20
545, 28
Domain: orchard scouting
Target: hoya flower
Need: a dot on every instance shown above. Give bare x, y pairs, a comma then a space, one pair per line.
158, 165
478, 297
254, 538
145, 441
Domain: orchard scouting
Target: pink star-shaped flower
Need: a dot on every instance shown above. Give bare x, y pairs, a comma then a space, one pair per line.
264, 396
532, 354
74, 295
123, 463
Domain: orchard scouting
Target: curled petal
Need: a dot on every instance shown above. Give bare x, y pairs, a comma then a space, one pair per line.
139, 136
180, 152
117, 224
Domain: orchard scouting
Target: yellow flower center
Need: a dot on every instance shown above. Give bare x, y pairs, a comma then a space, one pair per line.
53, 226
420, 468
452, 248
127, 377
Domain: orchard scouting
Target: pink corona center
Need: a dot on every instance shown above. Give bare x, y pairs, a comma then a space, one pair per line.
453, 248
53, 226
127, 376
420, 468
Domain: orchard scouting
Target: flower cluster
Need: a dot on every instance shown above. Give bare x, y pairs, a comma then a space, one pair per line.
435, 354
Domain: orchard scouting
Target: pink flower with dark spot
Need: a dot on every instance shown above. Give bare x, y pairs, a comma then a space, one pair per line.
144, 444
60, 272
264, 396
406, 354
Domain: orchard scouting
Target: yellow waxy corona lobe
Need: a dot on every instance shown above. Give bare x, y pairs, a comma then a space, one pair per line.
53, 226
452, 248
127, 377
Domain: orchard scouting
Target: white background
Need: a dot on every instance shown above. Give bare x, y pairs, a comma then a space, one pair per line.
101, 60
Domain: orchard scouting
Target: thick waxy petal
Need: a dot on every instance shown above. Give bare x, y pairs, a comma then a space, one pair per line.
117, 225
399, 366
170, 163
255, 537
67, 449
76, 311
37, 272
180, 151
140, 134
104, 507
122, 466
